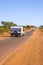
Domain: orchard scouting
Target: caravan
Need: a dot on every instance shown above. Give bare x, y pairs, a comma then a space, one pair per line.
16, 31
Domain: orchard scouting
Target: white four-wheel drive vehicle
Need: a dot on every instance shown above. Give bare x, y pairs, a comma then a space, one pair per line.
16, 31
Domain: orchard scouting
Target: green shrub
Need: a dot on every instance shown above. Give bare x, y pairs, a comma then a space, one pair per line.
41, 27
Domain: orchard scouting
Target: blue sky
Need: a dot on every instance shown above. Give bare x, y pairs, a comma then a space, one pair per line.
22, 12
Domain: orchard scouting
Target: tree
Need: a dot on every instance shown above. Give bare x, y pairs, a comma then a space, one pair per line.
8, 24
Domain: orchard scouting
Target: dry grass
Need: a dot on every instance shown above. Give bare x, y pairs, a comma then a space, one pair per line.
5, 34
30, 54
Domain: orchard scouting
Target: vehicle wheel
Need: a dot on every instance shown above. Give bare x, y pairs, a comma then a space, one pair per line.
22, 34
11, 35
17, 35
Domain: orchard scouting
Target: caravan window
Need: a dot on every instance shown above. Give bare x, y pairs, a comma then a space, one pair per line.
15, 29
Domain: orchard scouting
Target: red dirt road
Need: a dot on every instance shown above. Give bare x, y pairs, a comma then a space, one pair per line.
30, 54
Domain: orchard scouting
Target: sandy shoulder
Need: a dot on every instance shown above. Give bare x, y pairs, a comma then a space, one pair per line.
2, 38
30, 53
